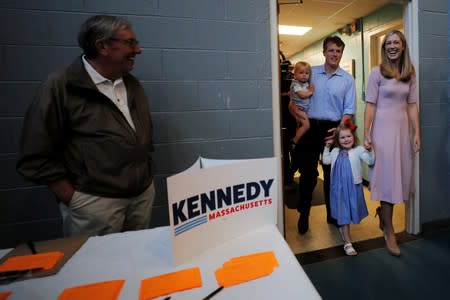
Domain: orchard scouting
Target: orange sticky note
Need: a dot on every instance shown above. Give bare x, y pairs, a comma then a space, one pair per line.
45, 261
106, 290
267, 257
245, 268
169, 283
5, 295
240, 273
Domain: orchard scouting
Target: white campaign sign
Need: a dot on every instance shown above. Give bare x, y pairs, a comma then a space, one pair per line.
214, 201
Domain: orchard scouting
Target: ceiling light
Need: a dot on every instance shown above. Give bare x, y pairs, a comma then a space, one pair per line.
293, 30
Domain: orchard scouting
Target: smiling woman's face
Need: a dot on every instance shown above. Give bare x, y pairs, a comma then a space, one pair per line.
394, 47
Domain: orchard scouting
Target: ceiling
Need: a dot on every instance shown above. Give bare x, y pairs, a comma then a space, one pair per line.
324, 16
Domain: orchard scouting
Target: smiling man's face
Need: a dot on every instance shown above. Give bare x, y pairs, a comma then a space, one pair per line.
122, 51
333, 55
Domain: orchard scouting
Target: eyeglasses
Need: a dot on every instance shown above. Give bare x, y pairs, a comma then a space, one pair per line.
130, 42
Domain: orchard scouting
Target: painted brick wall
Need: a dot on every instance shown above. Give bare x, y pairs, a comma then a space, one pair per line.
434, 114
205, 65
448, 108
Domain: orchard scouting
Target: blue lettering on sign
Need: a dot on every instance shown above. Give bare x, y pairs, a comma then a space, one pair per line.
208, 201
223, 197
189, 208
238, 193
253, 186
192, 207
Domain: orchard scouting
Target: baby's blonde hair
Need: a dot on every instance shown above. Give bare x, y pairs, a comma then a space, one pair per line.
304, 64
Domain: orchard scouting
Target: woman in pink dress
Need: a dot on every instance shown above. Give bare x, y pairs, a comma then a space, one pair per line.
390, 110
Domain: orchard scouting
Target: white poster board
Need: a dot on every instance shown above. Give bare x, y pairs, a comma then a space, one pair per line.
214, 201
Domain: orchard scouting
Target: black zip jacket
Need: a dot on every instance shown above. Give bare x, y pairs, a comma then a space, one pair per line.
73, 131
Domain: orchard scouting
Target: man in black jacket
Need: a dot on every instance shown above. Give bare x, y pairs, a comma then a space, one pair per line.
87, 135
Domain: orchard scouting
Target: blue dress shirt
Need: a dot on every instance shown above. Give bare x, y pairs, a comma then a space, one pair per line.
334, 95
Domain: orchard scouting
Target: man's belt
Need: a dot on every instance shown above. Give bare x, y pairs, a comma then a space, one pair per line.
324, 122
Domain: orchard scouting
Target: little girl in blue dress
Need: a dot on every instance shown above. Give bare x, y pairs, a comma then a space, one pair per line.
347, 203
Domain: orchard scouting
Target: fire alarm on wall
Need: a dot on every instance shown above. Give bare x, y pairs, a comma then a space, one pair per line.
354, 27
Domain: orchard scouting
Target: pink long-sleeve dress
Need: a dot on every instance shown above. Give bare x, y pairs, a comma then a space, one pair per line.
392, 176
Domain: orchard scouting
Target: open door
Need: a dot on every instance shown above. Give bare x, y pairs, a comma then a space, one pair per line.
410, 27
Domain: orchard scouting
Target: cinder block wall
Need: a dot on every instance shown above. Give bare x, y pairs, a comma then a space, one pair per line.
434, 26
205, 65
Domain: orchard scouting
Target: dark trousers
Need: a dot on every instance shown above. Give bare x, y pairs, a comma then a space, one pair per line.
307, 156
289, 126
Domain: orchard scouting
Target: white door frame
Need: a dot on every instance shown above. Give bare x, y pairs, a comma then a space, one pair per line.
411, 25
411, 28
276, 118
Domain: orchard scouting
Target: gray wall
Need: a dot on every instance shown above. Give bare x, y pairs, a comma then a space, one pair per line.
205, 65
434, 57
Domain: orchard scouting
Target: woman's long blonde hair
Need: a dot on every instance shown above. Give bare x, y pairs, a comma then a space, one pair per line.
388, 69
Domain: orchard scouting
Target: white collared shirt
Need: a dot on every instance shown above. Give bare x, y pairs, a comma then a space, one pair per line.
114, 90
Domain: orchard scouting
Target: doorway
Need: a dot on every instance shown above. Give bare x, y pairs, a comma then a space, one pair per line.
322, 235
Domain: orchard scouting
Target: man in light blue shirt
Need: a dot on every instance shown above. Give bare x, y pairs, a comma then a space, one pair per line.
333, 101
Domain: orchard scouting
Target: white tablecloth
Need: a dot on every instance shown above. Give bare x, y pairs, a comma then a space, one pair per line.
136, 255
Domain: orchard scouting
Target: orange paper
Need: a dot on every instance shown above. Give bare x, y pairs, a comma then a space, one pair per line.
44, 261
264, 257
169, 283
5, 295
106, 290
245, 268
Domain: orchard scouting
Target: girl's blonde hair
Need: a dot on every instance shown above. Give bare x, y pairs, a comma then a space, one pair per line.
347, 125
304, 64
406, 68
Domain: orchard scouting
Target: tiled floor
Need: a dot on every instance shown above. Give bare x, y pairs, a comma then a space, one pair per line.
322, 235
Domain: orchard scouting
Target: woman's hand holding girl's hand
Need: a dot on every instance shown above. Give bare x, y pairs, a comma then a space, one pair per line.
368, 143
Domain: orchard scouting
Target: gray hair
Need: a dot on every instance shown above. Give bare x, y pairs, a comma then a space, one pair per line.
99, 27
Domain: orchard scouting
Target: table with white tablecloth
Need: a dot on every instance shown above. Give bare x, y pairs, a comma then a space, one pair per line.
137, 255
